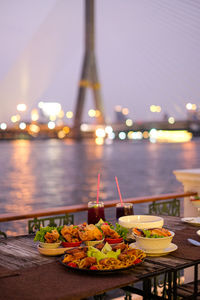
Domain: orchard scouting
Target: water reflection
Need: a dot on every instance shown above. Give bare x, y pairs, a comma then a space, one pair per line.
189, 154
53, 173
21, 178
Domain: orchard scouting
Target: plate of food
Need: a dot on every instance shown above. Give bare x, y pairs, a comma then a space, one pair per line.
112, 235
153, 239
104, 259
48, 237
195, 221
157, 252
51, 251
66, 236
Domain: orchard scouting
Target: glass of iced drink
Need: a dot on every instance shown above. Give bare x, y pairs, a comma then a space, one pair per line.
124, 209
95, 212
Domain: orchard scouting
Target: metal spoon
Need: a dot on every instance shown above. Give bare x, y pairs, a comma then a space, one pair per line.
193, 242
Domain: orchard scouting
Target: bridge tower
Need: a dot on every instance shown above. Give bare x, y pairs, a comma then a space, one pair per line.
89, 76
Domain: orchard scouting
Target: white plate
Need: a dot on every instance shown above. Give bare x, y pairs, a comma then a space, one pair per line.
192, 220
198, 232
172, 247
51, 252
141, 221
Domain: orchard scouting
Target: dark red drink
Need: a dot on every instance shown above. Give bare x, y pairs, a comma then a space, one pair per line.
95, 212
119, 212
124, 209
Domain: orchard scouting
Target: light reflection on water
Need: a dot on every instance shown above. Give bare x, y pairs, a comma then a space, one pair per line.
53, 173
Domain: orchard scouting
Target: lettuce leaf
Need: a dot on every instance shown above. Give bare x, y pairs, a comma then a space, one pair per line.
106, 253
41, 233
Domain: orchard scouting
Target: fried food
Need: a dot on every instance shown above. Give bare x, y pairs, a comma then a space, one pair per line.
154, 232
120, 246
75, 255
79, 256
90, 233
52, 237
161, 232
87, 262
109, 232
70, 233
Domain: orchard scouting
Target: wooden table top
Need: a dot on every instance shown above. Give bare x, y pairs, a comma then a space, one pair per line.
25, 274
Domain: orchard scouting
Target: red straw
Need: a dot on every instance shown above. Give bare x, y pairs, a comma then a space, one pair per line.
98, 188
120, 196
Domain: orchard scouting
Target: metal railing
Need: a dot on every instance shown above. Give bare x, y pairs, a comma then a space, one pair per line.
83, 207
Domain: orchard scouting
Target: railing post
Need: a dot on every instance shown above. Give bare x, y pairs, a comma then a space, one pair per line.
191, 183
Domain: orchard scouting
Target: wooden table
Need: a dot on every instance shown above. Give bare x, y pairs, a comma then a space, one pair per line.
25, 274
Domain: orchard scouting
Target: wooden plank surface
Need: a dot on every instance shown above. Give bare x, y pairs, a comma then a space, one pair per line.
21, 252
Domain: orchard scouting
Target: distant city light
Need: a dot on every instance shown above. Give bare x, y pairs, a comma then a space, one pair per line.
66, 129
125, 111
84, 127
153, 133
145, 134
155, 108
3, 126
40, 104
129, 122
191, 106
15, 118
108, 129
173, 136
130, 135
69, 114
22, 125
137, 135
100, 132
21, 107
122, 135
91, 113
34, 128
34, 115
61, 114
111, 136
51, 125
61, 134
171, 120
97, 113
50, 108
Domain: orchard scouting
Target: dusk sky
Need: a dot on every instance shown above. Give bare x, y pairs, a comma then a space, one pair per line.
148, 52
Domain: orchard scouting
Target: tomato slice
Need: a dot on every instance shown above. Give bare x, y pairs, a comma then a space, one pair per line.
114, 241
72, 264
137, 261
93, 268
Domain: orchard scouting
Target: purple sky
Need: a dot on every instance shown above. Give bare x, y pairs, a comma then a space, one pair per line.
148, 52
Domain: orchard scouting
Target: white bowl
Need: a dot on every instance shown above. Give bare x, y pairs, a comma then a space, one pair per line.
50, 245
153, 243
93, 243
141, 221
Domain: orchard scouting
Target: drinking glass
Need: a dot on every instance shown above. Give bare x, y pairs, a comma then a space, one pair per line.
124, 209
95, 212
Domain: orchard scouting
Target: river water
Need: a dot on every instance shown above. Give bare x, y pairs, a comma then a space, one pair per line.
51, 173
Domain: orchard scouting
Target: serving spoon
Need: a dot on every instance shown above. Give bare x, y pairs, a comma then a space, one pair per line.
194, 242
